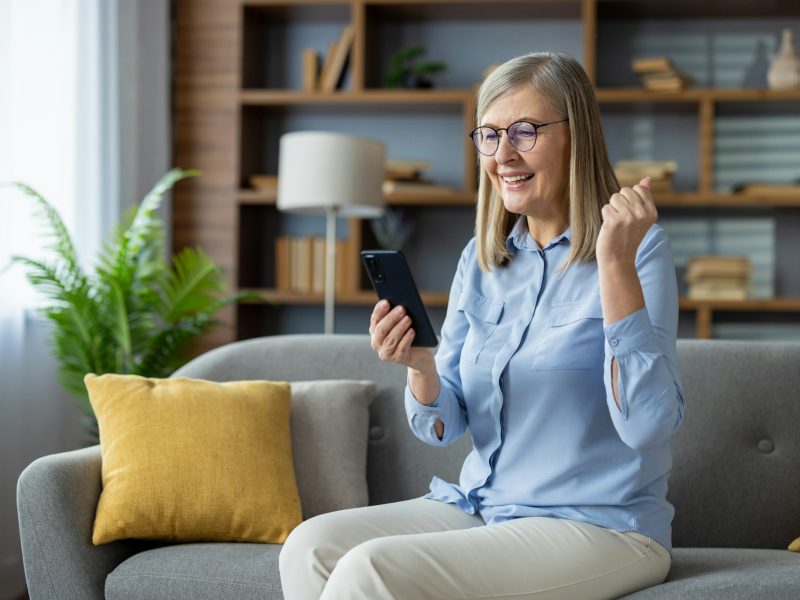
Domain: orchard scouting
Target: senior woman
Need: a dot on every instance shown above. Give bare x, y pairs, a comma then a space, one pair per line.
558, 355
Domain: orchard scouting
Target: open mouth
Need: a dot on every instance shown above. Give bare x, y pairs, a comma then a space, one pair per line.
517, 179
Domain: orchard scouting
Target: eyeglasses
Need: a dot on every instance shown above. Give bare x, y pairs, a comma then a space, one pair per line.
521, 134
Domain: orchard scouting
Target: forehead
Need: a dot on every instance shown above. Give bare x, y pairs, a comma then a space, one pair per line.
520, 103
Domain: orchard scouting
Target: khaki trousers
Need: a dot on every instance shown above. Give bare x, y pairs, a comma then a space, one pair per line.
425, 549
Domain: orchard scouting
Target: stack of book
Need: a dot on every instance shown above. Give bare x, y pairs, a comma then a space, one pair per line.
631, 172
300, 265
329, 77
718, 277
408, 177
768, 190
660, 75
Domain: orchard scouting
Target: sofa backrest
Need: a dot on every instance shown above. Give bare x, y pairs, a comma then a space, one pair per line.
735, 479
736, 474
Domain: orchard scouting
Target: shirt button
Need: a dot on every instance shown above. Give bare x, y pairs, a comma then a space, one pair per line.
615, 342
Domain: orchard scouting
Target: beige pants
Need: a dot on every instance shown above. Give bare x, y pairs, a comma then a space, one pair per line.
424, 549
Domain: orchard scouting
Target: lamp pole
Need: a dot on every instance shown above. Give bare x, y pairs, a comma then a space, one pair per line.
330, 267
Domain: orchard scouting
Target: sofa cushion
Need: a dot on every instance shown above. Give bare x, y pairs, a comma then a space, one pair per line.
199, 571
194, 460
728, 574
330, 427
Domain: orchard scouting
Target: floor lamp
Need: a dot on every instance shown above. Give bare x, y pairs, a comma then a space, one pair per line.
335, 174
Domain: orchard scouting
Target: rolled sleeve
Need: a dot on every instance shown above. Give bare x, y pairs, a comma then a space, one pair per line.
422, 417
643, 343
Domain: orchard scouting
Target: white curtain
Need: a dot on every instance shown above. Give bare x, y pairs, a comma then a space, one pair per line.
83, 120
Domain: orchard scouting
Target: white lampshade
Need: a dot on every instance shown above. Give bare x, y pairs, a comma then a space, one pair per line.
320, 170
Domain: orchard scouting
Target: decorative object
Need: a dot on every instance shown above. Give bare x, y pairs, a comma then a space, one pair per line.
136, 313
335, 174
405, 72
189, 460
784, 71
392, 229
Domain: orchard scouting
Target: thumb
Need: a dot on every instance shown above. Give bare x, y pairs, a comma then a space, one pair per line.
645, 182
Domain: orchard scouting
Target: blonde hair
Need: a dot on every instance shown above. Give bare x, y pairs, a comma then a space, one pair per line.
562, 80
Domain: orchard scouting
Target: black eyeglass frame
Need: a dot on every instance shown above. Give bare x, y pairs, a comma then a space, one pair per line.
535, 126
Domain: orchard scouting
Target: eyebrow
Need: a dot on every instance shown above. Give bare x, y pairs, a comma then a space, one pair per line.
528, 119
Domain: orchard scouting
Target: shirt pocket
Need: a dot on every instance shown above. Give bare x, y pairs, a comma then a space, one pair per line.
483, 315
573, 339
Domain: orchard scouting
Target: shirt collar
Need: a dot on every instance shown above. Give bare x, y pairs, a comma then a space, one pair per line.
520, 239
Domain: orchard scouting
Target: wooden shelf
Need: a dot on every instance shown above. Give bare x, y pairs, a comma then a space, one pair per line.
610, 95
362, 298
749, 305
236, 90
248, 196
252, 97
701, 200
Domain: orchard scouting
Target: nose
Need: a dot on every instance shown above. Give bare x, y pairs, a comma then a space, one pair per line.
505, 150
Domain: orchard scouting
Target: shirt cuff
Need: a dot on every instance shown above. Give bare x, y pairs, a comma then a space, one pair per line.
634, 332
423, 417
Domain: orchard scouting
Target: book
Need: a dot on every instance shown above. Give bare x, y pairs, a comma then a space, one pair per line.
781, 190
405, 170
310, 69
704, 294
267, 184
666, 81
421, 188
717, 266
326, 65
330, 79
648, 65
282, 264
319, 263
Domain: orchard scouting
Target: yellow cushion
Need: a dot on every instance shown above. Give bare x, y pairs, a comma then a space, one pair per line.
795, 545
193, 460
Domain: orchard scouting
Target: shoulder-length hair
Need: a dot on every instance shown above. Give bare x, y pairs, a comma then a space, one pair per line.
560, 79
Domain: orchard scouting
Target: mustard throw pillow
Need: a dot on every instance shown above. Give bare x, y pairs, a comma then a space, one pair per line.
193, 460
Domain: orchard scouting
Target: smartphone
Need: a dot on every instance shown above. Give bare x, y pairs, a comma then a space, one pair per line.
390, 276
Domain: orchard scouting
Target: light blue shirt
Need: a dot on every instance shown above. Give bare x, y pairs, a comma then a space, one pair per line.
524, 364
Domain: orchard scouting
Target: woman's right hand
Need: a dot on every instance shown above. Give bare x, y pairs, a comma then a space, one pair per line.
391, 337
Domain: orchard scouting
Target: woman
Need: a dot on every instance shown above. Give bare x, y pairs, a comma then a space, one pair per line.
557, 354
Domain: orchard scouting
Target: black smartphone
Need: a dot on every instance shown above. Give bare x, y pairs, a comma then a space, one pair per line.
390, 276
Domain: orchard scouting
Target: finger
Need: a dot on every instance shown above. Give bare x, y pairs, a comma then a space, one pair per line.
389, 320
620, 203
381, 308
636, 203
647, 199
404, 347
389, 350
395, 336
608, 212
645, 182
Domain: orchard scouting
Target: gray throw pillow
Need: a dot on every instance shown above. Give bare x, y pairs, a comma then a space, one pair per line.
330, 428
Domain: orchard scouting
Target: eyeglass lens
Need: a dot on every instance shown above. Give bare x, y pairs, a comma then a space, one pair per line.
522, 136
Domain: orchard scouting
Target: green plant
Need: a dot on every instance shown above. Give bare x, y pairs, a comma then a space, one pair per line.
405, 72
137, 312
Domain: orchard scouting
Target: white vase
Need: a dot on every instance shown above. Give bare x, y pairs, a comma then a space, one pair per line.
784, 72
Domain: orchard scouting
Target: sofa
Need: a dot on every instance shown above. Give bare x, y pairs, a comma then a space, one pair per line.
735, 481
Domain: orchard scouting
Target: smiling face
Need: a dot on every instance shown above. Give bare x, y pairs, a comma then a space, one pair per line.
532, 183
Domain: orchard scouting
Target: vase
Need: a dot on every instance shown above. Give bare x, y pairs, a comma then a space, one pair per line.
784, 72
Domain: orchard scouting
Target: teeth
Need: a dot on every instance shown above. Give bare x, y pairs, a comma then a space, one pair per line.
516, 178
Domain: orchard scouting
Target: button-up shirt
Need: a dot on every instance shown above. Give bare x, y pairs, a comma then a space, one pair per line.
524, 365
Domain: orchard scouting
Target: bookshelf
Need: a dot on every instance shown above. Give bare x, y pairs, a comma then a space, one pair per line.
238, 86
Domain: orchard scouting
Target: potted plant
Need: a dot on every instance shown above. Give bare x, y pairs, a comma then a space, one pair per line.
136, 312
405, 71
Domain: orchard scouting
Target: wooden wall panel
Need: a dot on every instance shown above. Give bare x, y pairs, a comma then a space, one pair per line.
205, 124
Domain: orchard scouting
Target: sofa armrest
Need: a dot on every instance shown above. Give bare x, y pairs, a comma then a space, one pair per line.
56, 500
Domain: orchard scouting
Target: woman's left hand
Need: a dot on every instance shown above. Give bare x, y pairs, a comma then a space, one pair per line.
626, 219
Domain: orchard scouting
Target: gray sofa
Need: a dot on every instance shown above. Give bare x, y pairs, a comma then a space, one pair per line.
735, 482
